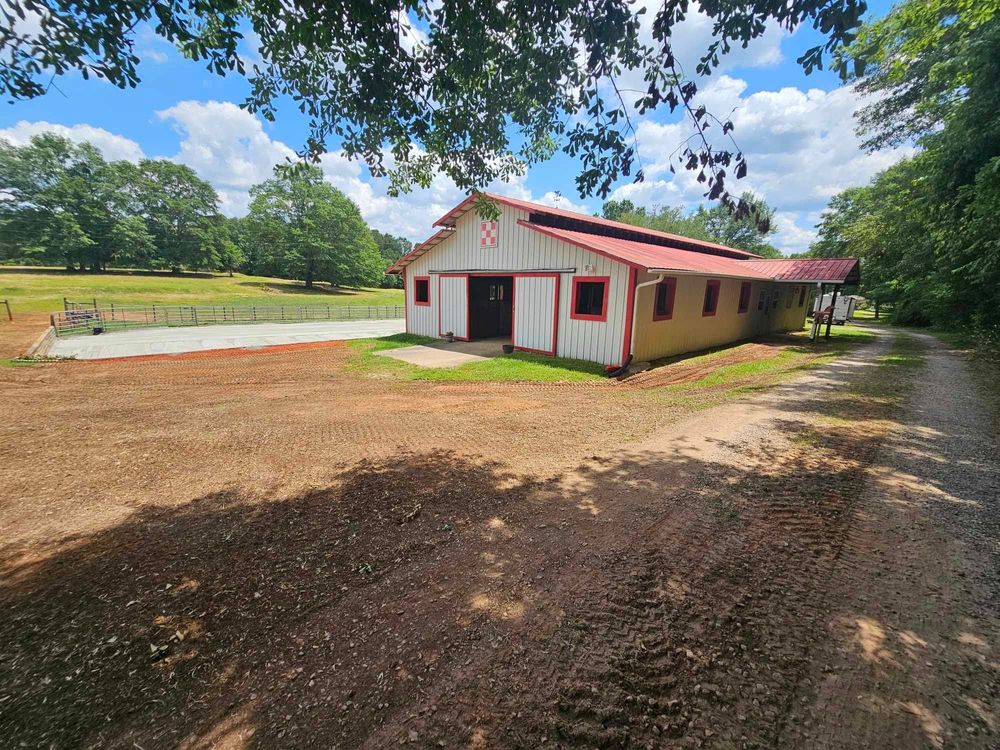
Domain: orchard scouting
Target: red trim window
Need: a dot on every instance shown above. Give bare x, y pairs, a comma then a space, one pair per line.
422, 290
663, 304
590, 298
745, 289
791, 297
711, 304
802, 295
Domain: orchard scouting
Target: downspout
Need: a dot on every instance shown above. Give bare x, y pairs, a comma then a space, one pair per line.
635, 313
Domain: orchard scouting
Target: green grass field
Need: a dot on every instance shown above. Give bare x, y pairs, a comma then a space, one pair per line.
33, 290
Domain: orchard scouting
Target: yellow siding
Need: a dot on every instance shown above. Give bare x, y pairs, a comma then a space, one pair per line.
689, 331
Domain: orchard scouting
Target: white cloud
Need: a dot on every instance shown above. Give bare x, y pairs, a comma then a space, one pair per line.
154, 55
228, 147
113, 147
690, 40
558, 200
789, 237
225, 145
801, 150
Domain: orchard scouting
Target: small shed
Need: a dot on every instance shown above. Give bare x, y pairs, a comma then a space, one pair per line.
562, 283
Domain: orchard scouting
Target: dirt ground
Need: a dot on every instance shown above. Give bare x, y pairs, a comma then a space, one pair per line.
261, 551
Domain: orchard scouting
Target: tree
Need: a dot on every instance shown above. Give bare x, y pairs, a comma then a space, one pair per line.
920, 62
131, 243
476, 92
743, 232
319, 233
177, 204
926, 228
715, 224
391, 249
52, 195
615, 209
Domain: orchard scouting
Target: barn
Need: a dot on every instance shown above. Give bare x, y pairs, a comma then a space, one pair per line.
562, 283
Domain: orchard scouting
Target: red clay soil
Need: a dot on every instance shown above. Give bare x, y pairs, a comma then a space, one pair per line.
219, 353
676, 370
18, 335
271, 553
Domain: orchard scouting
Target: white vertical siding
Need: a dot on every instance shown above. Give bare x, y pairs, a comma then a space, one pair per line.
420, 319
535, 312
454, 305
521, 249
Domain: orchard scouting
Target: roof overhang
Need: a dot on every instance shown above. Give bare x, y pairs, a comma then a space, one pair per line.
561, 218
433, 241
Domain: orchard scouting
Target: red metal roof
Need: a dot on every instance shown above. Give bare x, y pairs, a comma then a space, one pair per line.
653, 257
435, 239
454, 214
837, 270
656, 257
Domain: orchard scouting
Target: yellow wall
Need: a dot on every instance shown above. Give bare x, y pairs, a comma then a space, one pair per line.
689, 331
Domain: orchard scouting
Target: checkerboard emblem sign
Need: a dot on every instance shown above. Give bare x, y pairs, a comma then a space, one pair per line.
488, 231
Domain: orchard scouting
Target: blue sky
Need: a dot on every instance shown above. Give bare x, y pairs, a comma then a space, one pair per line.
796, 130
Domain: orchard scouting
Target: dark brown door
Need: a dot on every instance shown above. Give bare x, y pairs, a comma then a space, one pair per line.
490, 306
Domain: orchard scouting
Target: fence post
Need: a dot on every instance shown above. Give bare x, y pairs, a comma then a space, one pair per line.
194, 314
6, 304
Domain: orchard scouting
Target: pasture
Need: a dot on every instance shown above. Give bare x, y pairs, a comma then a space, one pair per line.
34, 290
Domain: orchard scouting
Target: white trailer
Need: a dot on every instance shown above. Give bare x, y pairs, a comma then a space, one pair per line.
843, 312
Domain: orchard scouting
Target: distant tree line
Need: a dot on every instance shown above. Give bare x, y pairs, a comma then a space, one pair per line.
715, 224
63, 204
927, 229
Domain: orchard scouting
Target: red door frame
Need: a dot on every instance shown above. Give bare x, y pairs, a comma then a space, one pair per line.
555, 313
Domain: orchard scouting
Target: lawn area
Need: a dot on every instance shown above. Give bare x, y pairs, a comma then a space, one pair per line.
752, 366
519, 366
749, 367
33, 290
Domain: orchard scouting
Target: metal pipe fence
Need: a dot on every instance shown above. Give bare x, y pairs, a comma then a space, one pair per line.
80, 321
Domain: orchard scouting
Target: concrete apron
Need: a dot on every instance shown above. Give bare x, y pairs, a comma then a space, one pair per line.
147, 341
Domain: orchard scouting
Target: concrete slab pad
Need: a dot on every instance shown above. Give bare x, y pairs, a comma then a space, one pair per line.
431, 356
146, 341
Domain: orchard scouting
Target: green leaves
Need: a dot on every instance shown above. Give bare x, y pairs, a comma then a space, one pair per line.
478, 92
311, 231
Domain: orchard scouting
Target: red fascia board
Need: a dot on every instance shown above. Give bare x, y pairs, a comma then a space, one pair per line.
435, 239
647, 257
454, 214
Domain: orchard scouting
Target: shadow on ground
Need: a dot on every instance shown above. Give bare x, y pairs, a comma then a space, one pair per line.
298, 287
653, 596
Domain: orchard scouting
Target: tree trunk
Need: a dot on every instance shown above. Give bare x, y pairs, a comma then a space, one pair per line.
877, 306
